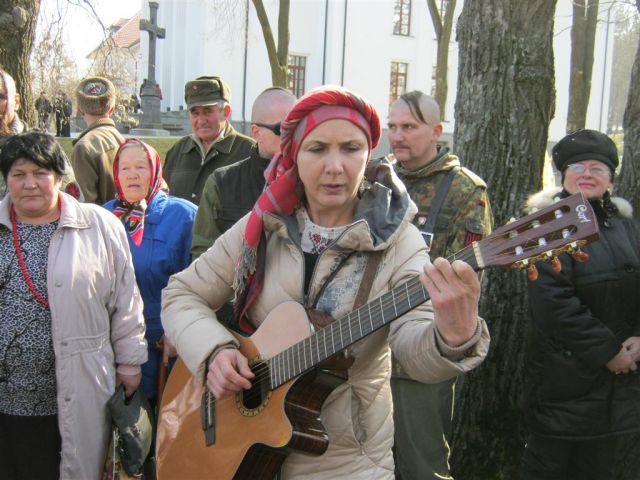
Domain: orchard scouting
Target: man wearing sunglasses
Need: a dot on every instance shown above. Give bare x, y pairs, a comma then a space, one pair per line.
231, 191
453, 211
213, 143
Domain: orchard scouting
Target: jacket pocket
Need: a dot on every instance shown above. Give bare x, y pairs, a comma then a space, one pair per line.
68, 347
565, 376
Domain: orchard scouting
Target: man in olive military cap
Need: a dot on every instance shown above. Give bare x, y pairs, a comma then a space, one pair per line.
453, 211
214, 142
95, 148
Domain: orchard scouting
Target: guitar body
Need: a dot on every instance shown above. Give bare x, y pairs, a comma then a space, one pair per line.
252, 438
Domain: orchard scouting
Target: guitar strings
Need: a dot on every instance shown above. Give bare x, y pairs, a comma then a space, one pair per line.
297, 360
375, 313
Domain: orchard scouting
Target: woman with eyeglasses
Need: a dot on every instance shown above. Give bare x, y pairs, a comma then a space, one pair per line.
583, 390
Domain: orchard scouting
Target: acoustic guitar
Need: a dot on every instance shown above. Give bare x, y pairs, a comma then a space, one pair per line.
248, 436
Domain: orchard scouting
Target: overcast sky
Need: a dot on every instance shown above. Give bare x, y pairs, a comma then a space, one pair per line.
82, 32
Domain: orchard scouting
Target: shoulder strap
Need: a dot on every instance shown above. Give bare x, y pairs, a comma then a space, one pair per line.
370, 269
427, 229
373, 260
327, 281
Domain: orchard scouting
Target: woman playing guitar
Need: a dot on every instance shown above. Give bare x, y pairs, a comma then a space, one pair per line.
327, 214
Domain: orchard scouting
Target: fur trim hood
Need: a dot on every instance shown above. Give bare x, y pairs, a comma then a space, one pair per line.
546, 197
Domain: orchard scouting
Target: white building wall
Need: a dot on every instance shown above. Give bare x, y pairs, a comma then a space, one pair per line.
208, 37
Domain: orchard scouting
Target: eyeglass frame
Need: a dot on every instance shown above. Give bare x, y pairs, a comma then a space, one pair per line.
600, 171
275, 128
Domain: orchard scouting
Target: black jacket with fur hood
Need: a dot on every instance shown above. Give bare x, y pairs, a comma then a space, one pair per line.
579, 318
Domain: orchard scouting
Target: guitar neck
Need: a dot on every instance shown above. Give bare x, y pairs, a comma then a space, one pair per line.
353, 327
561, 227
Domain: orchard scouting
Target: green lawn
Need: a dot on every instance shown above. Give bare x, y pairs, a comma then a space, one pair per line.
161, 144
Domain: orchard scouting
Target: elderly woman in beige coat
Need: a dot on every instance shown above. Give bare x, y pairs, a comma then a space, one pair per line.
309, 239
71, 324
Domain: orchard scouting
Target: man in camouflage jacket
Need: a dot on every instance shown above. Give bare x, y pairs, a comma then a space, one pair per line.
422, 412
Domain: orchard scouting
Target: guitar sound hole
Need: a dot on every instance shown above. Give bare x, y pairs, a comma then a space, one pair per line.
254, 397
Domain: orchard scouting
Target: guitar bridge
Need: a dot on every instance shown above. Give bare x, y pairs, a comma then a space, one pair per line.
207, 417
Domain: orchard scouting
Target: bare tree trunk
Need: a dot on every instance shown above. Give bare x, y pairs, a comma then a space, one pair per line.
627, 184
17, 28
278, 56
504, 106
442, 25
583, 34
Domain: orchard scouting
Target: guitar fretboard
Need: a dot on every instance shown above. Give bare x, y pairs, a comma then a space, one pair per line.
347, 330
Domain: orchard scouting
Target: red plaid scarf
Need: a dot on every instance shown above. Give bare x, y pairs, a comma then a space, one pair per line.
132, 214
281, 192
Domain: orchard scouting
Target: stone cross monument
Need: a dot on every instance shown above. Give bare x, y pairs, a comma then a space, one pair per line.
150, 93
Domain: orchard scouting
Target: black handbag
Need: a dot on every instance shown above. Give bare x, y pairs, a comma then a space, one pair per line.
133, 419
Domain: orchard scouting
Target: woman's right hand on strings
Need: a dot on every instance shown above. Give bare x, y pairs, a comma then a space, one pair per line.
228, 373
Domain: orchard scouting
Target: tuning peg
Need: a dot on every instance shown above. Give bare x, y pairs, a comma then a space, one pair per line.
532, 273
580, 256
556, 265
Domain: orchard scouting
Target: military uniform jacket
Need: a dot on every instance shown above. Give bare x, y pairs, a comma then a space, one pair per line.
229, 194
92, 160
186, 169
465, 215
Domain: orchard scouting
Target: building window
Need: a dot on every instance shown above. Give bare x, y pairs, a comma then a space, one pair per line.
398, 84
296, 76
401, 17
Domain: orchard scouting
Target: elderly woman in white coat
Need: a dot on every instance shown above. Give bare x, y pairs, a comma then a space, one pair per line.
309, 239
71, 324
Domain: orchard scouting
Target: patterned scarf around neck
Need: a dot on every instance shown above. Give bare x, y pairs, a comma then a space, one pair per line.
132, 214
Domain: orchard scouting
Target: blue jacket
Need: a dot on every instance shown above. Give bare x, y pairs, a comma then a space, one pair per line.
164, 250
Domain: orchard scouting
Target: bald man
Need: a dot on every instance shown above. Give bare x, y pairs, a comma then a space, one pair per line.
230, 192
422, 413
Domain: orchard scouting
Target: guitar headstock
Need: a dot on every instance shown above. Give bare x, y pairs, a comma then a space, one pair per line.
564, 226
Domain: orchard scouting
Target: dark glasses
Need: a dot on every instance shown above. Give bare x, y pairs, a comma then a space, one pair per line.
274, 127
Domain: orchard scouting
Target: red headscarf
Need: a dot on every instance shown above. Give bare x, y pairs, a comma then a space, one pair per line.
132, 214
281, 193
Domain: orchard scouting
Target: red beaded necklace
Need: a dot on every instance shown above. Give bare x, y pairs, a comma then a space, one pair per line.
23, 267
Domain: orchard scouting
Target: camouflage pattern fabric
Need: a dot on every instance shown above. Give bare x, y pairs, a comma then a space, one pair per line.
465, 215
